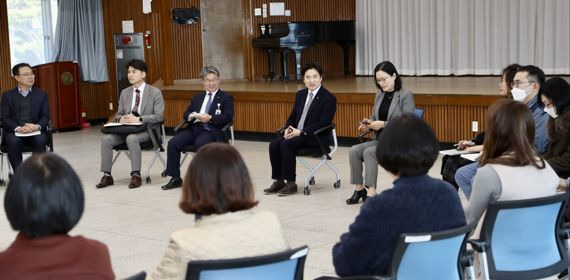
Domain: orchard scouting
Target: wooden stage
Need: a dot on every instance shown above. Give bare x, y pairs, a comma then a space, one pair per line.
450, 103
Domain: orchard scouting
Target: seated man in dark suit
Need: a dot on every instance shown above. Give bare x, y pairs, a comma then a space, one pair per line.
314, 108
207, 114
25, 110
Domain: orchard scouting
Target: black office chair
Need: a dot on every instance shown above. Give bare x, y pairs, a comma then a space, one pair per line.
322, 152
288, 265
157, 138
227, 131
25, 149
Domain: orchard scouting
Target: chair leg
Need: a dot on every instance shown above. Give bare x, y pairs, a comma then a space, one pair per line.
2, 181
484, 266
115, 158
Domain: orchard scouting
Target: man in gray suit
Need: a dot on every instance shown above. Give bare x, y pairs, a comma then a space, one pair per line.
141, 103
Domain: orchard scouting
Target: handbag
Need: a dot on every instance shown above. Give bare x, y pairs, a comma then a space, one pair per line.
124, 129
449, 165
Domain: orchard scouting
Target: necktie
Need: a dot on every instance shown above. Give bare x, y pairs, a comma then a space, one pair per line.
135, 109
305, 110
209, 102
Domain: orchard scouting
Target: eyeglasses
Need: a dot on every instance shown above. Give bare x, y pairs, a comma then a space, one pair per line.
212, 81
27, 75
518, 83
382, 80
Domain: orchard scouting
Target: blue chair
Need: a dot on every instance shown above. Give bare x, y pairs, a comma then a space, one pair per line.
522, 239
288, 265
437, 255
419, 113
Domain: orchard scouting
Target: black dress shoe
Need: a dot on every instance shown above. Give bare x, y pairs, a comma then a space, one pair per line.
356, 196
173, 184
289, 189
136, 182
275, 187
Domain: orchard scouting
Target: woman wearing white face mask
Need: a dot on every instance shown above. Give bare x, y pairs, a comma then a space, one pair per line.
555, 96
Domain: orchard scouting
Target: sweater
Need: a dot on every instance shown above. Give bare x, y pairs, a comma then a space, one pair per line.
416, 204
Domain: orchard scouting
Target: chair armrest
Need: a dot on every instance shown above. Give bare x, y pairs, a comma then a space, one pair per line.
227, 126
316, 136
151, 129
180, 126
478, 245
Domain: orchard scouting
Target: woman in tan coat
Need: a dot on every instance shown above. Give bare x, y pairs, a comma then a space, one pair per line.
218, 191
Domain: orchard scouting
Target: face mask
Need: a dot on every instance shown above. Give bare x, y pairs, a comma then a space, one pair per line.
551, 111
519, 94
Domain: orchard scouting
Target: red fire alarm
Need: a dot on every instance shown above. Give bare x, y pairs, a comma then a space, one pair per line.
126, 40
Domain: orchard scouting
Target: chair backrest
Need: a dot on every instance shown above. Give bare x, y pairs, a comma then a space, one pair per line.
288, 265
419, 113
524, 238
430, 255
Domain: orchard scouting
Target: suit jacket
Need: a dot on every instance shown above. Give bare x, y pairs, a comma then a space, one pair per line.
244, 233
320, 114
56, 257
558, 152
402, 102
222, 101
11, 108
152, 104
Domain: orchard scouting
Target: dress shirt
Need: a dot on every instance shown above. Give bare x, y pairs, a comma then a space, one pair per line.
203, 108
134, 99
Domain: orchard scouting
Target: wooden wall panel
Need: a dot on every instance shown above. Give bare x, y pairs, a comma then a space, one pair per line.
266, 112
6, 81
187, 44
329, 55
93, 99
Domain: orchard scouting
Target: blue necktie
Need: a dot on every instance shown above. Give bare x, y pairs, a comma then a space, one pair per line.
208, 105
209, 102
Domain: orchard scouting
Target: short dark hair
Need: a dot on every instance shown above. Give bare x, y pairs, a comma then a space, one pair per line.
217, 182
510, 131
45, 197
558, 91
509, 73
138, 64
390, 69
534, 73
209, 70
407, 146
16, 68
312, 65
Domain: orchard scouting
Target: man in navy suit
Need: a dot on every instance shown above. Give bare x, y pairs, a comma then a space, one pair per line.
314, 108
25, 111
207, 114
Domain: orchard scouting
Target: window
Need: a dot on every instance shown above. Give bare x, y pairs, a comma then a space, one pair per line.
31, 26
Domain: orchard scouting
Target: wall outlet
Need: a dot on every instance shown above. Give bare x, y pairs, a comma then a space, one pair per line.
474, 126
110, 106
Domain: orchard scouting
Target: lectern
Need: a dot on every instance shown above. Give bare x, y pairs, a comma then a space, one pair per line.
61, 82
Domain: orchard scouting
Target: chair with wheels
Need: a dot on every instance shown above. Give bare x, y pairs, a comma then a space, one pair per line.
523, 239
157, 138
288, 265
25, 149
322, 152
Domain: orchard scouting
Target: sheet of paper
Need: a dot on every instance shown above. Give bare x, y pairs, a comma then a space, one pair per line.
128, 26
453, 152
112, 124
37, 132
472, 157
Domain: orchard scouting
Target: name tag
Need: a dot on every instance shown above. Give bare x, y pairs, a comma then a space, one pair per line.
218, 111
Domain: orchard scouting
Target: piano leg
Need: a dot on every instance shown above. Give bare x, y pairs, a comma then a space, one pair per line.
285, 65
346, 57
298, 64
271, 55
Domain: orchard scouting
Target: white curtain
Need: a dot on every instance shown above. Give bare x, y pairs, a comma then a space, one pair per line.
462, 37
79, 37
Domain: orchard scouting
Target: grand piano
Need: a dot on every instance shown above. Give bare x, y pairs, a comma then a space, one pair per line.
296, 36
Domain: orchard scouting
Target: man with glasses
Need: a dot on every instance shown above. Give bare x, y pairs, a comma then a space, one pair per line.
25, 115
526, 85
207, 114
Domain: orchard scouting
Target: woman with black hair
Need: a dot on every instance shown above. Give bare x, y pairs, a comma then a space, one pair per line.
44, 201
555, 97
416, 203
391, 100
